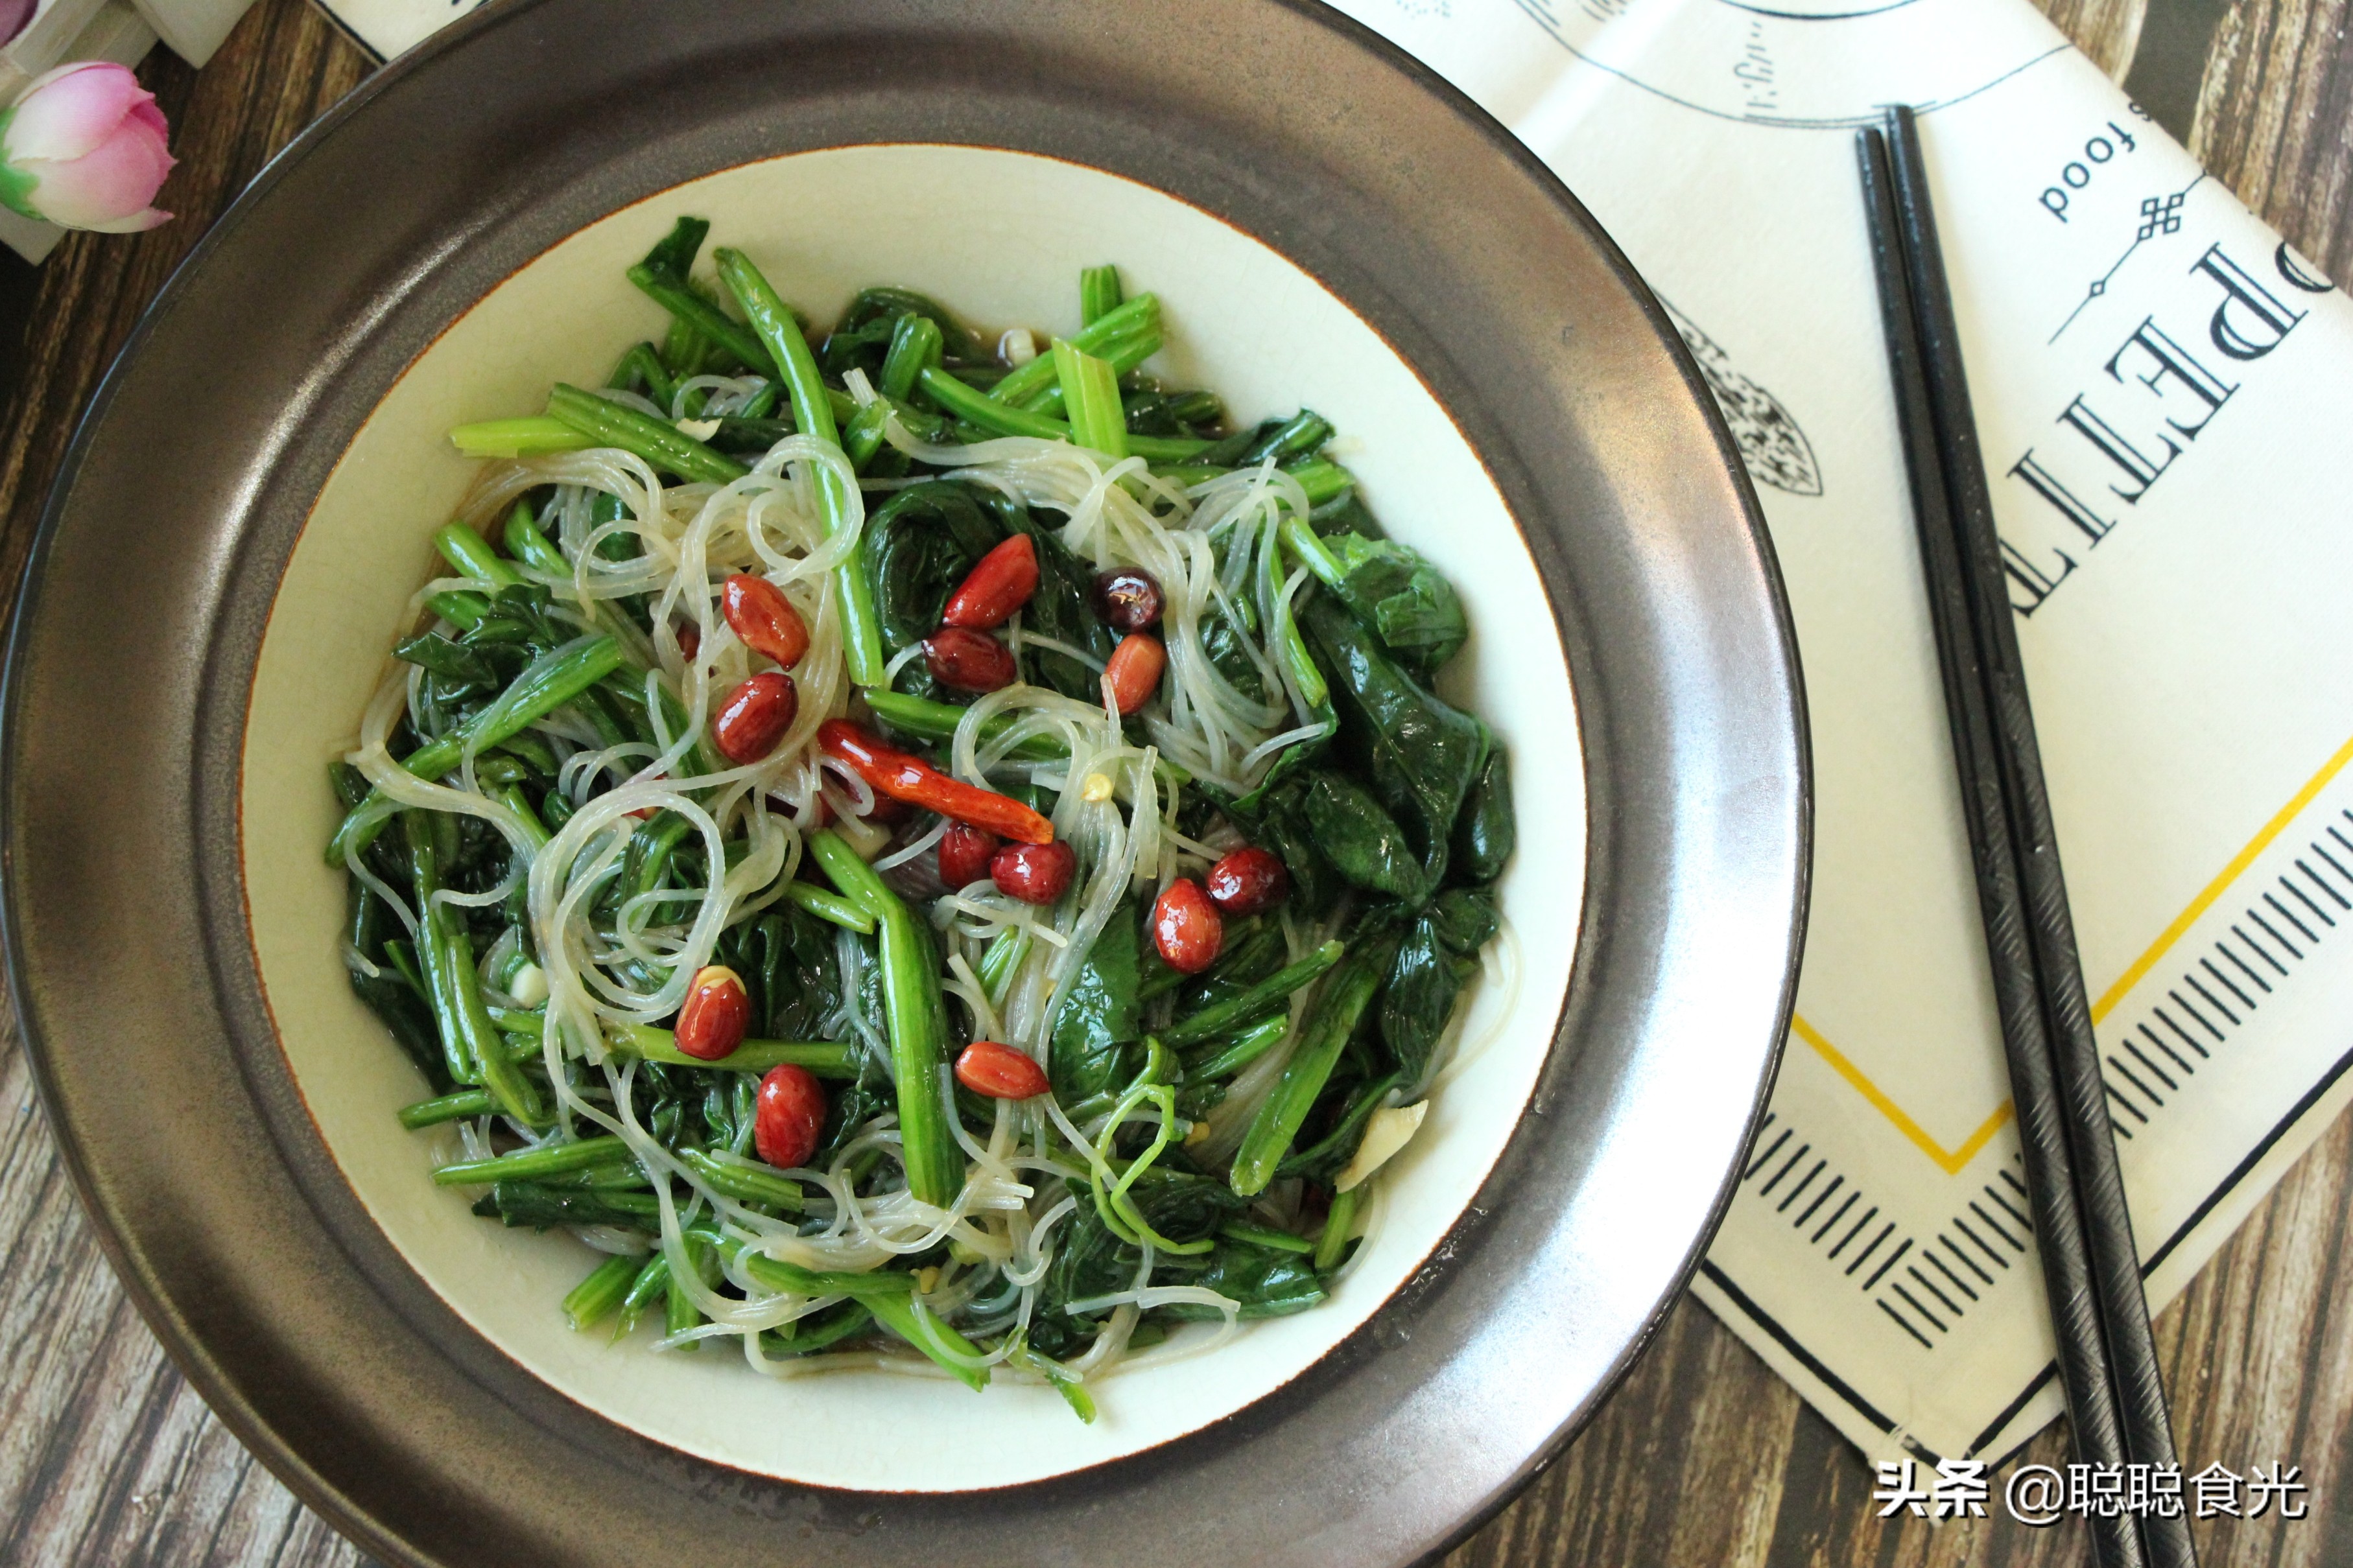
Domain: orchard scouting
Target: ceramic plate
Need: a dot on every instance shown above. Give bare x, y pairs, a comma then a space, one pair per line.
260, 475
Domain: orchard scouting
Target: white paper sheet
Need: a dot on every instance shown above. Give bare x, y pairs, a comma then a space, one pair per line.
2161, 388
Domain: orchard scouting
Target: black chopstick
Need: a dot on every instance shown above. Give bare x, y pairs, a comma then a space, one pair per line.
2099, 1312
2099, 1183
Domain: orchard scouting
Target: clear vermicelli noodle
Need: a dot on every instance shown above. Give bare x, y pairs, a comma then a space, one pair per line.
917, 853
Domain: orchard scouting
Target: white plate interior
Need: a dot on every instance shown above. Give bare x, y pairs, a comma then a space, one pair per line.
1000, 237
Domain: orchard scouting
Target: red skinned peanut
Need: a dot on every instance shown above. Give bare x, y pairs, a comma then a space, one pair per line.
1034, 873
1248, 881
790, 1117
754, 716
1134, 672
999, 1071
1000, 584
965, 852
717, 1012
1187, 927
764, 618
969, 660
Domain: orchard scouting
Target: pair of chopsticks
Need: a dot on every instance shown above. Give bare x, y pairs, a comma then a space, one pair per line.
2107, 1361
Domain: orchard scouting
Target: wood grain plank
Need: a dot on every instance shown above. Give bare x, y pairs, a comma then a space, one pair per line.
2272, 121
1702, 1458
2108, 30
106, 1456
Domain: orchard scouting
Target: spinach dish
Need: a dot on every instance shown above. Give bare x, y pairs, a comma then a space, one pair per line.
921, 852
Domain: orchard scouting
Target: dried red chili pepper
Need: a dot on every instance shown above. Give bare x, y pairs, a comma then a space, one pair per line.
896, 774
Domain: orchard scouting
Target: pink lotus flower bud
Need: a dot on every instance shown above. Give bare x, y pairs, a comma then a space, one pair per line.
84, 148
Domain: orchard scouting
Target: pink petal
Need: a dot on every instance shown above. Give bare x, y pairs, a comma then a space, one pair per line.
137, 223
68, 111
114, 181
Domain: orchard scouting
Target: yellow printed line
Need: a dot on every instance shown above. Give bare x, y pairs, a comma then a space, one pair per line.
2230, 873
1952, 1161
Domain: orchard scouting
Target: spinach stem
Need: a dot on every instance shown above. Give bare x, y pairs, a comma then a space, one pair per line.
469, 554
1090, 392
527, 437
830, 906
553, 679
1246, 1048
523, 1165
692, 309
970, 403
662, 444
595, 1298
1258, 1236
861, 632
1336, 1226
1099, 294
904, 1317
1141, 314
825, 1058
916, 1011
1323, 1035
455, 1107
1231, 1014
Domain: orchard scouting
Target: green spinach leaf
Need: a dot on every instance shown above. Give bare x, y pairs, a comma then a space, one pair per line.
1266, 1282
1095, 1045
1419, 754
1486, 833
1465, 919
1278, 819
1425, 980
1360, 840
1403, 599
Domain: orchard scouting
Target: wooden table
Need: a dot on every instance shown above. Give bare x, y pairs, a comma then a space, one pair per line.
1702, 1458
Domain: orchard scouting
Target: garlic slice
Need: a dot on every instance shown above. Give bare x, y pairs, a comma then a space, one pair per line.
1386, 1132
